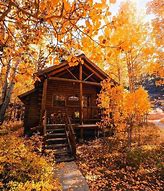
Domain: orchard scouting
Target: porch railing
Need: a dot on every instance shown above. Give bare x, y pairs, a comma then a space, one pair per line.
44, 122
70, 135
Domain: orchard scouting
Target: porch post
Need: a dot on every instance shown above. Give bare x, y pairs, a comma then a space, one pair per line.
81, 93
81, 100
43, 104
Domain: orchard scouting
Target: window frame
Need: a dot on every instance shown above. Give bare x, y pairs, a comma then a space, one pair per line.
58, 105
73, 105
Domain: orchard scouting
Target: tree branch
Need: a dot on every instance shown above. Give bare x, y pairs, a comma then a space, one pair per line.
5, 13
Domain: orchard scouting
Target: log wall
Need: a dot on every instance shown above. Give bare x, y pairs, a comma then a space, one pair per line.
71, 89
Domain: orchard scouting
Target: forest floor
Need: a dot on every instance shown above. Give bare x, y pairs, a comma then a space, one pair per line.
108, 166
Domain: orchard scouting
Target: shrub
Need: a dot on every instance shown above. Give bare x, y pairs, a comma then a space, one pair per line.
149, 155
23, 169
135, 157
11, 127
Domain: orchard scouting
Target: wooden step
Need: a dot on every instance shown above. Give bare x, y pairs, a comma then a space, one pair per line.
59, 152
57, 134
55, 125
56, 139
55, 130
56, 146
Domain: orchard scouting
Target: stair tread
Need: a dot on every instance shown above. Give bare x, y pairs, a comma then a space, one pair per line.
58, 145
62, 152
58, 129
55, 125
57, 139
55, 134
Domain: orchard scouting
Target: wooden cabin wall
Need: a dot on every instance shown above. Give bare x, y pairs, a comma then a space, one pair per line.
32, 112
68, 89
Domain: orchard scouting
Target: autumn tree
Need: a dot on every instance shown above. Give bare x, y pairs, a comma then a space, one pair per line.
136, 50
128, 51
57, 24
122, 109
156, 8
128, 61
124, 45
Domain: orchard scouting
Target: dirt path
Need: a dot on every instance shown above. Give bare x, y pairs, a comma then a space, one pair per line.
157, 123
71, 178
156, 117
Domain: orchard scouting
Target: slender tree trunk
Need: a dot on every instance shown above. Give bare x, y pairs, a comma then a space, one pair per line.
129, 137
130, 68
6, 99
5, 85
6, 103
139, 136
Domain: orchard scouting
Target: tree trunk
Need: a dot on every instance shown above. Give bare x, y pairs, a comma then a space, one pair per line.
129, 137
6, 103
5, 85
6, 99
139, 136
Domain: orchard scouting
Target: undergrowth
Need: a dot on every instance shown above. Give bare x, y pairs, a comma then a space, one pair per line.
23, 167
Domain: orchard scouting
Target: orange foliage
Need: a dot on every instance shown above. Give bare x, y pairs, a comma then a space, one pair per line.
121, 107
22, 165
32, 34
156, 8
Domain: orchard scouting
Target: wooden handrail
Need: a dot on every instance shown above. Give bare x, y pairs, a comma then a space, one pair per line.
71, 136
44, 122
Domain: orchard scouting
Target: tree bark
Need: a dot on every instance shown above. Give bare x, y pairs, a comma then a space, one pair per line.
5, 85
6, 99
6, 103
129, 137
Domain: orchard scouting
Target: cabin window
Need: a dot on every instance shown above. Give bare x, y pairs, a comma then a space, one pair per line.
73, 100
59, 100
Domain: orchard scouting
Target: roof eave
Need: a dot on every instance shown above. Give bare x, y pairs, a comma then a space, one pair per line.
22, 96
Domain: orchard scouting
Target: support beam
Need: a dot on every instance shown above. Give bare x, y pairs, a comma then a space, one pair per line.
81, 92
58, 70
76, 81
92, 79
72, 74
44, 96
93, 71
88, 76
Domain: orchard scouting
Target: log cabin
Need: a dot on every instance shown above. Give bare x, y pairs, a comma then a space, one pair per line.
64, 98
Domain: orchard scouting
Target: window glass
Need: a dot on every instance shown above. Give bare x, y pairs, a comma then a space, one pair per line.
73, 100
58, 100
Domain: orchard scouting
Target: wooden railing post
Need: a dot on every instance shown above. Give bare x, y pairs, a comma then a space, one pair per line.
43, 104
70, 135
44, 122
81, 92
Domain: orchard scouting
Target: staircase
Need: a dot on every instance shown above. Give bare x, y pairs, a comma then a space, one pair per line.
60, 138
